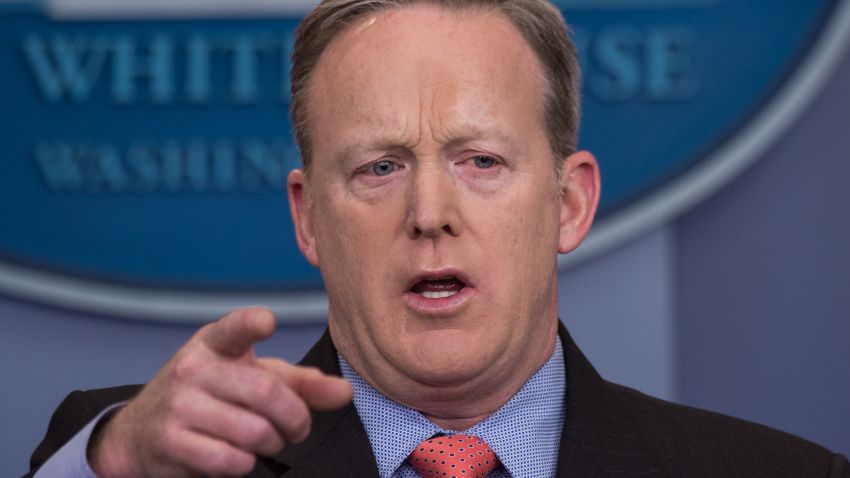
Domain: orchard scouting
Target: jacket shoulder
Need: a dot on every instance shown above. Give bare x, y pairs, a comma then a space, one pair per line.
75, 411
690, 442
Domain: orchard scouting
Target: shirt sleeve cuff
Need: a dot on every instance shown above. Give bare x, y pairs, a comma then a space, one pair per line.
71, 461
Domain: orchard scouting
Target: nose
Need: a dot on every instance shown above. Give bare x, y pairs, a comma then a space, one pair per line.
433, 207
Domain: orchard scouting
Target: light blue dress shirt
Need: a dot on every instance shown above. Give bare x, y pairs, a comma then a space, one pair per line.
71, 461
525, 433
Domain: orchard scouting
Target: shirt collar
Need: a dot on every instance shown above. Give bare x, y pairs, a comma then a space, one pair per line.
524, 433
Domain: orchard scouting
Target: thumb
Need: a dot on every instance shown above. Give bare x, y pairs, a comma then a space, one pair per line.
234, 334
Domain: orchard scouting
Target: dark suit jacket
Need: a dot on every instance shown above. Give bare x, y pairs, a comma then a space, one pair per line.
609, 431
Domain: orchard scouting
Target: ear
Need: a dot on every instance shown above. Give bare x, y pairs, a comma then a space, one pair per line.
579, 197
302, 211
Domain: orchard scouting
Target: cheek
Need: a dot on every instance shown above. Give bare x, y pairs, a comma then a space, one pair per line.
353, 241
524, 235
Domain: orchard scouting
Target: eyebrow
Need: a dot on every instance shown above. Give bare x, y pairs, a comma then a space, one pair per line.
378, 144
458, 136
470, 133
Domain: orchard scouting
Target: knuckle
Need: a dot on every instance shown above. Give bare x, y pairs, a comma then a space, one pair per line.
228, 462
204, 330
274, 445
298, 419
257, 432
265, 389
187, 367
181, 404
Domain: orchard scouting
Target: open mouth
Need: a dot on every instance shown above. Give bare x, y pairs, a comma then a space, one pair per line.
438, 288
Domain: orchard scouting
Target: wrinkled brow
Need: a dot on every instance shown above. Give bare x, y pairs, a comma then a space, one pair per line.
454, 138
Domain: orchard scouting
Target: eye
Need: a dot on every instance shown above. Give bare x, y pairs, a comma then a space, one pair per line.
484, 162
382, 168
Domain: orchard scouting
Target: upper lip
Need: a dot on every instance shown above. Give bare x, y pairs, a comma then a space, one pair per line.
436, 274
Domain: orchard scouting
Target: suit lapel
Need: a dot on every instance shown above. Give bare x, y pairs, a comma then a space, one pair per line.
598, 438
337, 445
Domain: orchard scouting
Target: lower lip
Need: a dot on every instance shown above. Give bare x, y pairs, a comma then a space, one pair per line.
439, 306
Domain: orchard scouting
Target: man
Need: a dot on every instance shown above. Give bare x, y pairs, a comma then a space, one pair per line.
440, 181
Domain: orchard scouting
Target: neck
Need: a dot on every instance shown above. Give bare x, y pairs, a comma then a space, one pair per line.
460, 404
456, 424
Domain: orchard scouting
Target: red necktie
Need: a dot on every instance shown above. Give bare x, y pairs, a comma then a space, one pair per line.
453, 456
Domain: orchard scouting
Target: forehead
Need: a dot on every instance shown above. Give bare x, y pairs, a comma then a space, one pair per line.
429, 60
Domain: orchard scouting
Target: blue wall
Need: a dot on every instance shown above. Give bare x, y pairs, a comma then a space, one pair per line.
763, 283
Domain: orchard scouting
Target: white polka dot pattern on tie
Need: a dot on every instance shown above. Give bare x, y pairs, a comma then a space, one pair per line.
453, 456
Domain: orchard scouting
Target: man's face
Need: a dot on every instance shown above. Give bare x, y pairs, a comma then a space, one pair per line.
432, 206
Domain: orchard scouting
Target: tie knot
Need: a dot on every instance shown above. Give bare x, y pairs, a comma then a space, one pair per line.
453, 456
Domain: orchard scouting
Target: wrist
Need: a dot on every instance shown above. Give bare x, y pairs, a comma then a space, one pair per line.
105, 453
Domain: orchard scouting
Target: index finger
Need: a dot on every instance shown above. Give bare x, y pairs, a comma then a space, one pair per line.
234, 334
320, 391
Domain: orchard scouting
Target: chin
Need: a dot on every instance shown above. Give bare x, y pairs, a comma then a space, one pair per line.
445, 360
452, 375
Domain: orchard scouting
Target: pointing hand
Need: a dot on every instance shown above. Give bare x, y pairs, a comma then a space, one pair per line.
214, 406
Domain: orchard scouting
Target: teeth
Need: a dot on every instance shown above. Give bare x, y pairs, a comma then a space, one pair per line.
438, 295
